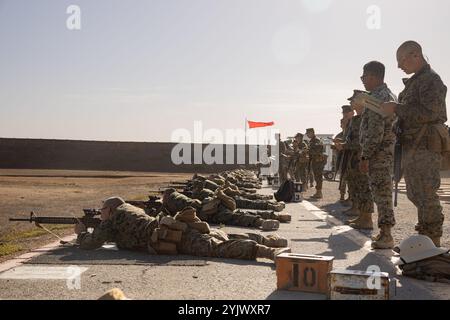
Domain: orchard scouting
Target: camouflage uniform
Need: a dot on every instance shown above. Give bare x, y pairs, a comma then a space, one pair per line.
216, 244
202, 194
265, 214
301, 162
339, 155
422, 102
234, 218
318, 160
222, 215
377, 140
243, 203
358, 182
174, 202
284, 161
129, 227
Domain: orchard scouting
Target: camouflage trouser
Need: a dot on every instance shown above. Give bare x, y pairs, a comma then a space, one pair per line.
300, 173
265, 214
255, 196
422, 177
236, 218
343, 185
258, 238
177, 202
291, 169
317, 169
359, 190
243, 203
216, 244
380, 170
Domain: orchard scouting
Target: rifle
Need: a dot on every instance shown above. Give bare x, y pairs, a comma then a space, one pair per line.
89, 219
177, 186
150, 206
343, 166
185, 182
398, 170
338, 161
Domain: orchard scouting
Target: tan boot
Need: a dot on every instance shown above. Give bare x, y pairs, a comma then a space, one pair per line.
364, 221
284, 217
269, 253
354, 220
270, 225
275, 241
352, 212
385, 240
318, 195
436, 241
277, 207
347, 202
377, 237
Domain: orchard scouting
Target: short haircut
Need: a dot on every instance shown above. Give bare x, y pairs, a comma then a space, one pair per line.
375, 68
410, 47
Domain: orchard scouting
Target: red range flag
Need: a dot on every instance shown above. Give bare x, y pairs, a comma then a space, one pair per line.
253, 124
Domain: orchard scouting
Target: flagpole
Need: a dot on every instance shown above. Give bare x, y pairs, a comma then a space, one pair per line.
245, 129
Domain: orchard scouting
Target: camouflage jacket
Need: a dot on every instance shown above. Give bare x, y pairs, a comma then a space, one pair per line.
301, 152
352, 135
421, 102
202, 194
129, 227
316, 150
376, 132
176, 202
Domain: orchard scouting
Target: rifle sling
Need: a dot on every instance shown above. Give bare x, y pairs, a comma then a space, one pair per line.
61, 241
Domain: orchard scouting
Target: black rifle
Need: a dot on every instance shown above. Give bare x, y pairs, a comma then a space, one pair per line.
338, 163
344, 166
345, 160
398, 170
89, 219
152, 206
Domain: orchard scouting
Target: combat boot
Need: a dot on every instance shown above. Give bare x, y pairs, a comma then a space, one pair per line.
384, 240
269, 253
278, 207
275, 241
364, 221
270, 225
284, 217
353, 220
347, 202
318, 194
436, 241
352, 212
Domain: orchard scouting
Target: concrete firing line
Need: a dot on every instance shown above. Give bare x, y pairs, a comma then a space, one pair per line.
353, 235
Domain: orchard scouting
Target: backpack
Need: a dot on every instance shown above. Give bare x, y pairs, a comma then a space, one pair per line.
286, 192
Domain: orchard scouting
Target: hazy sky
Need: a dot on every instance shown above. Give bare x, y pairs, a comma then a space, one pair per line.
140, 69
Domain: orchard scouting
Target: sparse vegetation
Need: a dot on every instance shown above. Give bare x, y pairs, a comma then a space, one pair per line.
8, 248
